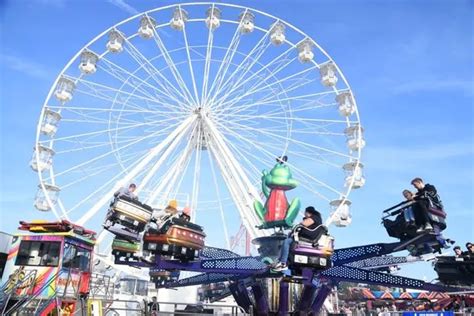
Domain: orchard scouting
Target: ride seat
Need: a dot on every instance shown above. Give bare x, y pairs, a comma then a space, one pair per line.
136, 202
437, 211
318, 232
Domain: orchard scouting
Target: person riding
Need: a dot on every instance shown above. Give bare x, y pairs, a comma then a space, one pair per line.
470, 250
170, 211
457, 251
311, 220
425, 197
186, 214
127, 192
408, 212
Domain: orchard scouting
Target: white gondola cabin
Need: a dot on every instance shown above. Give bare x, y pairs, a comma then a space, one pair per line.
180, 17
354, 174
88, 64
42, 158
277, 34
147, 27
305, 51
41, 199
328, 74
354, 136
115, 42
346, 103
49, 125
247, 22
213, 17
64, 89
340, 210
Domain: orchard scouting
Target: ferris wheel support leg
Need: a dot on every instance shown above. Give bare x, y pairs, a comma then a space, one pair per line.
160, 161
171, 176
135, 171
236, 180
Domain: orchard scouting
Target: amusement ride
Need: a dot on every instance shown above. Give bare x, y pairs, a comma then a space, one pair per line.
191, 102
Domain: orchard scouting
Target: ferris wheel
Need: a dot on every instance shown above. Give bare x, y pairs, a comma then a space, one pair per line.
191, 102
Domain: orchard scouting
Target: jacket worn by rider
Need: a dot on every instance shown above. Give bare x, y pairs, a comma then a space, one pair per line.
429, 193
311, 232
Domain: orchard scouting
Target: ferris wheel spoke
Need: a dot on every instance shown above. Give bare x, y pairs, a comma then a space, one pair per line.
134, 81
232, 94
97, 110
167, 182
259, 49
191, 70
149, 68
107, 130
101, 89
311, 104
128, 81
170, 148
176, 74
226, 61
269, 154
207, 64
107, 184
240, 82
295, 141
221, 208
113, 151
257, 87
197, 172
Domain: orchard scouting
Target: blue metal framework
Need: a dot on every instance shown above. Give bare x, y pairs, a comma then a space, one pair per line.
354, 264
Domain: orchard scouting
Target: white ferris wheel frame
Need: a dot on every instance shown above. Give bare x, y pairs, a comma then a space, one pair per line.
240, 187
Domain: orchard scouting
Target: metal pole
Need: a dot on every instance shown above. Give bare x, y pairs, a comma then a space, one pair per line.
283, 304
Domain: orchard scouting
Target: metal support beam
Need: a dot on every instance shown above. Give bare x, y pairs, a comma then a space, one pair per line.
283, 305
351, 254
241, 295
356, 275
261, 303
307, 296
321, 296
234, 265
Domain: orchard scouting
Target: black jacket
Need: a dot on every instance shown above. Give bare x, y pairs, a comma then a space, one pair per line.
429, 193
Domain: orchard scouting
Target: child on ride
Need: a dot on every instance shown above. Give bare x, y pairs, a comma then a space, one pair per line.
311, 220
408, 212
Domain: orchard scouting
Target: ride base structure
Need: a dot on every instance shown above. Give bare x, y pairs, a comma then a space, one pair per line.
50, 268
176, 245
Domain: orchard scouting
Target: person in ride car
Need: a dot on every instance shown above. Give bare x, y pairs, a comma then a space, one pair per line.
457, 251
311, 220
470, 250
425, 196
170, 211
186, 214
408, 212
127, 192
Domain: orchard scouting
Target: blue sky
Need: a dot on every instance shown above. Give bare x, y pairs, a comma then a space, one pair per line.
410, 65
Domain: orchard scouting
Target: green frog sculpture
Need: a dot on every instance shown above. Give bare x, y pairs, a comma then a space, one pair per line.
277, 212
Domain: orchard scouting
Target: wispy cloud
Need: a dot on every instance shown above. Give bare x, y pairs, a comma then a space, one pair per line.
124, 6
24, 66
